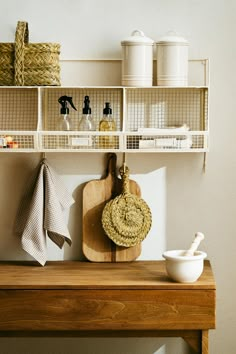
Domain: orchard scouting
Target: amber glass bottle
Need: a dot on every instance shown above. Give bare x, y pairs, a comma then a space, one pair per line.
108, 124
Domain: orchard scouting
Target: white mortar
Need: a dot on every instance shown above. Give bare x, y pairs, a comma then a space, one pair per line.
184, 269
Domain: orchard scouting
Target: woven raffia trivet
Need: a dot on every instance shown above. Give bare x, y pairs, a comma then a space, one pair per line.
126, 219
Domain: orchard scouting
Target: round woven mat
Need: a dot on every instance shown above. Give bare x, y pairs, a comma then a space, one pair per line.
126, 219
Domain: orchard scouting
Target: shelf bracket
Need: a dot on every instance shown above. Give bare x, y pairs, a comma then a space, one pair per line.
204, 162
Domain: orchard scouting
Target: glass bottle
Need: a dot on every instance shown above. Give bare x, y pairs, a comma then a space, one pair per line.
107, 123
64, 122
86, 124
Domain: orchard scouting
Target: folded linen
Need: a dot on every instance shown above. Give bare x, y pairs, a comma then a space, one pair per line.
41, 213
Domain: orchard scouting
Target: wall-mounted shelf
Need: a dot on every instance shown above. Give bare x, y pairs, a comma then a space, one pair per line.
155, 119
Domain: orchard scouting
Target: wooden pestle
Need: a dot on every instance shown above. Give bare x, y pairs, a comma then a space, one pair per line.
199, 236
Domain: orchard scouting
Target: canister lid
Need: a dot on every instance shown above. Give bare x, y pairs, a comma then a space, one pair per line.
172, 38
137, 38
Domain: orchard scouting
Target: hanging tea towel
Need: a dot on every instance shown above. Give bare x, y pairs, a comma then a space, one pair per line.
41, 213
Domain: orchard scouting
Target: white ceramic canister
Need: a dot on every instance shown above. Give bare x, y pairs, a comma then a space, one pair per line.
137, 60
172, 60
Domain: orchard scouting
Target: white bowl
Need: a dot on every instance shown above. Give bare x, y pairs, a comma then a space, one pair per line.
184, 269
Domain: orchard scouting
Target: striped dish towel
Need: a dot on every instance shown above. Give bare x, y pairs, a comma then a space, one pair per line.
41, 213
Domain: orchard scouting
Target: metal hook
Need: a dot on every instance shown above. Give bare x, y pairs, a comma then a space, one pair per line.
124, 159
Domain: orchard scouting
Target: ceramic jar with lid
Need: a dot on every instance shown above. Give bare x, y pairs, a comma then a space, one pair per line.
137, 60
172, 60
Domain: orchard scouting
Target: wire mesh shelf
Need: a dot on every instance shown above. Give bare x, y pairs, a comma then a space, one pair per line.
166, 107
15, 141
97, 96
18, 109
156, 119
171, 142
80, 141
18, 119
161, 119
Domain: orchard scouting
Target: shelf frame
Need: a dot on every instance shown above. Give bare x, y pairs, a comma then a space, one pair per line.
123, 134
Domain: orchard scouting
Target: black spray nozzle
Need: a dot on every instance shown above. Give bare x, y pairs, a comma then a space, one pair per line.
63, 101
86, 109
107, 110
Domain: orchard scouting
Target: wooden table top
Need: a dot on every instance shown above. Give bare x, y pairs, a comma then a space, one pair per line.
87, 275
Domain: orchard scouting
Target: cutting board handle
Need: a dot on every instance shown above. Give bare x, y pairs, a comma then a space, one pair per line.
111, 165
111, 173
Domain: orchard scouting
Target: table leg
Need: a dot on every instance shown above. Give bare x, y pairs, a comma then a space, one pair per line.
197, 340
204, 342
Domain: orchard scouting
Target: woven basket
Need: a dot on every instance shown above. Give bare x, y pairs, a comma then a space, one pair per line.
29, 64
126, 219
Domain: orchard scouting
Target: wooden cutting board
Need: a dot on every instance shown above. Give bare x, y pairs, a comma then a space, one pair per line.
97, 247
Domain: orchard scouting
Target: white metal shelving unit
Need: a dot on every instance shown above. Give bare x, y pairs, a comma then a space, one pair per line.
19, 119
155, 119
164, 119
80, 141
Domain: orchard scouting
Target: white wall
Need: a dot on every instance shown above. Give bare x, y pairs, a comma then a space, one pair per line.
185, 199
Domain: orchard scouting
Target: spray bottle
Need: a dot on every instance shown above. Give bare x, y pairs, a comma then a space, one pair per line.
86, 123
64, 122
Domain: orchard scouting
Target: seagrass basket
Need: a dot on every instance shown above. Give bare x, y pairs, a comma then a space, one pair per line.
29, 64
126, 219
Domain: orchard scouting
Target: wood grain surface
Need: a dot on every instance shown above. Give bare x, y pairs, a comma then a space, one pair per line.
97, 247
106, 310
70, 298
87, 275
